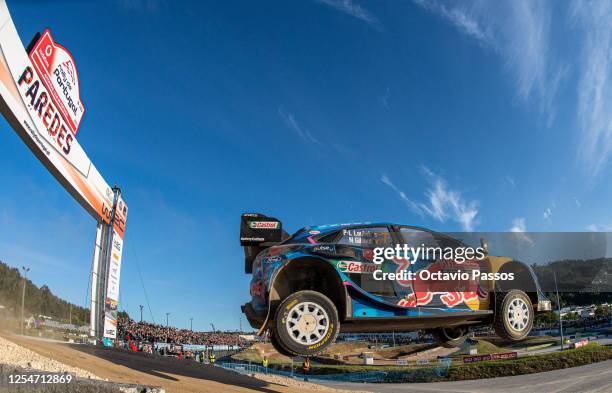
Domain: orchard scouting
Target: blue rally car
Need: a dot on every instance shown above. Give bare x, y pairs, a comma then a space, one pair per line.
322, 280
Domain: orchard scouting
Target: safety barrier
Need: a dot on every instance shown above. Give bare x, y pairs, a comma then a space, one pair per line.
414, 375
245, 368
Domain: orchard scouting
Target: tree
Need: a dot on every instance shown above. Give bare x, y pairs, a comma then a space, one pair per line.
122, 315
38, 300
602, 312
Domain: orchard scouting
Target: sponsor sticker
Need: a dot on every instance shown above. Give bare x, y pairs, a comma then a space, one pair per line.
264, 224
356, 267
324, 248
272, 259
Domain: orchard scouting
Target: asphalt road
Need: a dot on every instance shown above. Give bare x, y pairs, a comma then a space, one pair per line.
591, 378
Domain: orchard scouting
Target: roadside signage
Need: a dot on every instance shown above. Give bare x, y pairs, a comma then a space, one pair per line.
40, 98
492, 356
114, 270
57, 71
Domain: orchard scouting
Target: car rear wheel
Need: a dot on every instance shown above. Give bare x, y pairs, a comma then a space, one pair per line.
450, 337
513, 318
306, 323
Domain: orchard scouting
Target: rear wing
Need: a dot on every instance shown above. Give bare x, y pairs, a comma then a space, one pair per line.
257, 232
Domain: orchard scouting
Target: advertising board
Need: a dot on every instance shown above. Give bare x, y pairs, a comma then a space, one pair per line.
57, 71
41, 100
492, 356
38, 108
114, 270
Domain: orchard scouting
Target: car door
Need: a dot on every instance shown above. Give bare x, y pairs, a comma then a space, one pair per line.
455, 293
355, 247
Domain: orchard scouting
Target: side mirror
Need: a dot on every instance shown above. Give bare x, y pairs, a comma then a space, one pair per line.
484, 245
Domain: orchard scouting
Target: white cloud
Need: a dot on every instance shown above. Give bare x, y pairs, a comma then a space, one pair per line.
517, 30
519, 228
549, 211
294, 126
599, 228
577, 202
511, 181
520, 32
595, 83
351, 8
441, 202
462, 17
518, 225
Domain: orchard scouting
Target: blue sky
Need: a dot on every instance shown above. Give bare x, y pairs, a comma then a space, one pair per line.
451, 115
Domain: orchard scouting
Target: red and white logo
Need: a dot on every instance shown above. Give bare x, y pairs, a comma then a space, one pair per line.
56, 68
263, 224
357, 267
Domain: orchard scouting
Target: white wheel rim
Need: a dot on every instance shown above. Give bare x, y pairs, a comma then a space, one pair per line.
518, 314
307, 323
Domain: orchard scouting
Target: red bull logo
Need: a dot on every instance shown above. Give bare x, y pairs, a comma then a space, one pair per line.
451, 292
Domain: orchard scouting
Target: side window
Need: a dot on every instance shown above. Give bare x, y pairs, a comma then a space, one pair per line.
418, 238
366, 237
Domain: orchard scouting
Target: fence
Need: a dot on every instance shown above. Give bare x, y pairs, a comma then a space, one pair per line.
245, 368
424, 374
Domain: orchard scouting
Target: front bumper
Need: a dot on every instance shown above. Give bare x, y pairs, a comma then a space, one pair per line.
256, 319
544, 305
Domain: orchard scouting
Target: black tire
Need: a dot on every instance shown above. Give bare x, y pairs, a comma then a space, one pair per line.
311, 333
272, 335
509, 325
450, 337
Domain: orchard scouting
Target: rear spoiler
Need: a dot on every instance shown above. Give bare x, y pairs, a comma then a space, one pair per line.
257, 232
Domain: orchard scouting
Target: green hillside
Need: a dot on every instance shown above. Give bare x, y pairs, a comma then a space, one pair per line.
38, 300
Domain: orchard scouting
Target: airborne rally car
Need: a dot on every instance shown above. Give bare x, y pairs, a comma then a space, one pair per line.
322, 280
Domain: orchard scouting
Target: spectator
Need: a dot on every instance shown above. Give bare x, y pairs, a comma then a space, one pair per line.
143, 331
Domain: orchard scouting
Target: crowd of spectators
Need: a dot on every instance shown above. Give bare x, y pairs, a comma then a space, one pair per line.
149, 332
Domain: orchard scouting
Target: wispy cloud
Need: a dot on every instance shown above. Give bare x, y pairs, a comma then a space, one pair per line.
518, 225
519, 31
599, 228
353, 9
595, 84
384, 100
291, 122
441, 202
548, 212
462, 17
519, 228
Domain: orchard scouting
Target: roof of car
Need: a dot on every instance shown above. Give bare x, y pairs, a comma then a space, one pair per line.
328, 228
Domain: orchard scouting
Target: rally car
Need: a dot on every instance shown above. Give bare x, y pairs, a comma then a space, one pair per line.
323, 280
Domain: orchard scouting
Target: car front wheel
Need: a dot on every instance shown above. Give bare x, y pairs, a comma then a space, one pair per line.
273, 336
513, 318
306, 323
